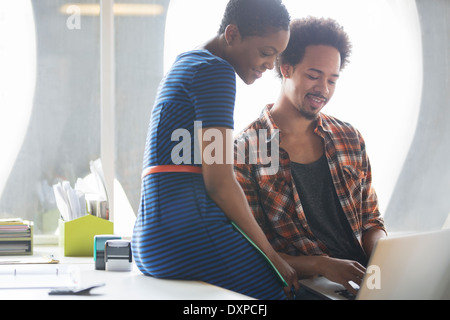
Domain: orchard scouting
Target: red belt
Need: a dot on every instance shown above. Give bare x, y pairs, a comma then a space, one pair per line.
171, 168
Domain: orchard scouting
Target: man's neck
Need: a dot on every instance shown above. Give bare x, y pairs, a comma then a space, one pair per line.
297, 135
289, 120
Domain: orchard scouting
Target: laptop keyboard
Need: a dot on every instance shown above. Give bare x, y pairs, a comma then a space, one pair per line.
346, 294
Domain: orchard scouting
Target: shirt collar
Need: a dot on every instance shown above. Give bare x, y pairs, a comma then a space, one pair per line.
267, 121
268, 124
322, 124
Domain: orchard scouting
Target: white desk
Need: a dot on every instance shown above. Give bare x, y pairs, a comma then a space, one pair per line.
122, 285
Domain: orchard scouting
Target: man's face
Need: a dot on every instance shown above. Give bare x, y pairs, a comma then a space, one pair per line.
312, 82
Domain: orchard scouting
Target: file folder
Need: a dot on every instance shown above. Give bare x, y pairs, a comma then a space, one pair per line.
76, 237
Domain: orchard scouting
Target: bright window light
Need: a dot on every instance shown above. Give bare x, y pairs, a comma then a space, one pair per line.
379, 92
17, 79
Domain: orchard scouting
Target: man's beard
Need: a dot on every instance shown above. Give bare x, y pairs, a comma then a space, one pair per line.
308, 115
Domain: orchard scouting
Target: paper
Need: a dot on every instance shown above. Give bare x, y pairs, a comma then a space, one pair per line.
71, 203
87, 197
15, 237
14, 229
20, 260
97, 172
43, 276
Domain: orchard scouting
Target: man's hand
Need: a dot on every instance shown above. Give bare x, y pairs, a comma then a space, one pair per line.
343, 271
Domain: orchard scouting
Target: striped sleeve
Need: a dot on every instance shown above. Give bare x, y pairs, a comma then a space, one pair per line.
213, 92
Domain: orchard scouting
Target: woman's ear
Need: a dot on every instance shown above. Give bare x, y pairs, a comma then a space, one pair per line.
231, 34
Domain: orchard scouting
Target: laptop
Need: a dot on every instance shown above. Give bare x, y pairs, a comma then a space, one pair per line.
408, 267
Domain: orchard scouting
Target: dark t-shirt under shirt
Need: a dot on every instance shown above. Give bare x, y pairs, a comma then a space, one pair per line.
323, 210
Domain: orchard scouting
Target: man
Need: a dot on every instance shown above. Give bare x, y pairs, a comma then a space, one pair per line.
318, 209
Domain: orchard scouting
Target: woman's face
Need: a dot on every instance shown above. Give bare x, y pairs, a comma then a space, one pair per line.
253, 55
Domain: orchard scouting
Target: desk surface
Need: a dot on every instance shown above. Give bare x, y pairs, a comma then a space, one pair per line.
121, 285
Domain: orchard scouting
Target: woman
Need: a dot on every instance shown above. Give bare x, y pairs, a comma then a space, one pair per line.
183, 229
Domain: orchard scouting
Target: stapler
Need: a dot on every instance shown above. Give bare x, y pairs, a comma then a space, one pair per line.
99, 249
118, 255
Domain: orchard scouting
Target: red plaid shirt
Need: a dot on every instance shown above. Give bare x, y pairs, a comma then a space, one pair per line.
274, 199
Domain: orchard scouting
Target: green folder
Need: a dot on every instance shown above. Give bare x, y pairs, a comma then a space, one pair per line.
280, 277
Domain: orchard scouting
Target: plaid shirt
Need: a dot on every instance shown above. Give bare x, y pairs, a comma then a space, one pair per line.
273, 197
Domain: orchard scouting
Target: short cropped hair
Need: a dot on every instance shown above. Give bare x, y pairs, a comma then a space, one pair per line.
255, 17
314, 31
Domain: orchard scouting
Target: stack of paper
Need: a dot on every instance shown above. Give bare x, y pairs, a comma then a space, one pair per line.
15, 236
87, 197
71, 203
95, 190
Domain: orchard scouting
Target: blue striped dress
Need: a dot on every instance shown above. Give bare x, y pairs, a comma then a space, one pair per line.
180, 233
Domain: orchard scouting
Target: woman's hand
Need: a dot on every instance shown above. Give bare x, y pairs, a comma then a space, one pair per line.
288, 273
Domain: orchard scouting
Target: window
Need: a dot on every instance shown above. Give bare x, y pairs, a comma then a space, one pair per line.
50, 89
50, 98
139, 52
50, 103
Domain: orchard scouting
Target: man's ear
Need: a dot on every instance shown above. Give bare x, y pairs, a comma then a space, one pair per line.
232, 34
286, 70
